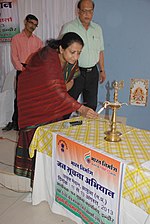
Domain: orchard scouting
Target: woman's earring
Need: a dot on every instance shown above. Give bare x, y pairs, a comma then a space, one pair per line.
60, 50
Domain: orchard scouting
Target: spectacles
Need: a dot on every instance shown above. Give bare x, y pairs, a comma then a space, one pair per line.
33, 24
85, 11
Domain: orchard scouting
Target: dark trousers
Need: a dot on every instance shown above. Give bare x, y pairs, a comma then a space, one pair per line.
15, 114
87, 84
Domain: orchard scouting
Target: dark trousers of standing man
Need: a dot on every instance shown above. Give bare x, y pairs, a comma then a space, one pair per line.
87, 84
15, 114
14, 123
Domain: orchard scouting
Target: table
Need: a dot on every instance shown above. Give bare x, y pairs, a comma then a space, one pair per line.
134, 148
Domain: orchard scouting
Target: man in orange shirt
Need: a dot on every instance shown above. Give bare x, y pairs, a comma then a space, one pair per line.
23, 45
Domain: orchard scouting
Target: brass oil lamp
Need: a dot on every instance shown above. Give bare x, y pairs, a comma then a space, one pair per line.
113, 135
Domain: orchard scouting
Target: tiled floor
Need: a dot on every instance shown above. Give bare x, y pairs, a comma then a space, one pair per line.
14, 207
15, 211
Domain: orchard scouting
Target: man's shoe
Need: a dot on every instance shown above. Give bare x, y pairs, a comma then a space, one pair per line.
8, 127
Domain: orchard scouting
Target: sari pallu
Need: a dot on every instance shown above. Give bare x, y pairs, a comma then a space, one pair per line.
42, 94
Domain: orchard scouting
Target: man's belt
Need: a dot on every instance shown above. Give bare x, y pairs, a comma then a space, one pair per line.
87, 69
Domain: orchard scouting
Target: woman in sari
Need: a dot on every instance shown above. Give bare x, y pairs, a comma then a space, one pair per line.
42, 94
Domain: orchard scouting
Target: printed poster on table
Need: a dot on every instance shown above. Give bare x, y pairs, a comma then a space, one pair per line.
9, 21
88, 183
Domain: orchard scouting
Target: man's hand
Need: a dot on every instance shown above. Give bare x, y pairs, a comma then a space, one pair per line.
102, 76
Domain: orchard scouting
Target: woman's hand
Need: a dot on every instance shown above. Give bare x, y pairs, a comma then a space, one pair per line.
87, 112
69, 84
